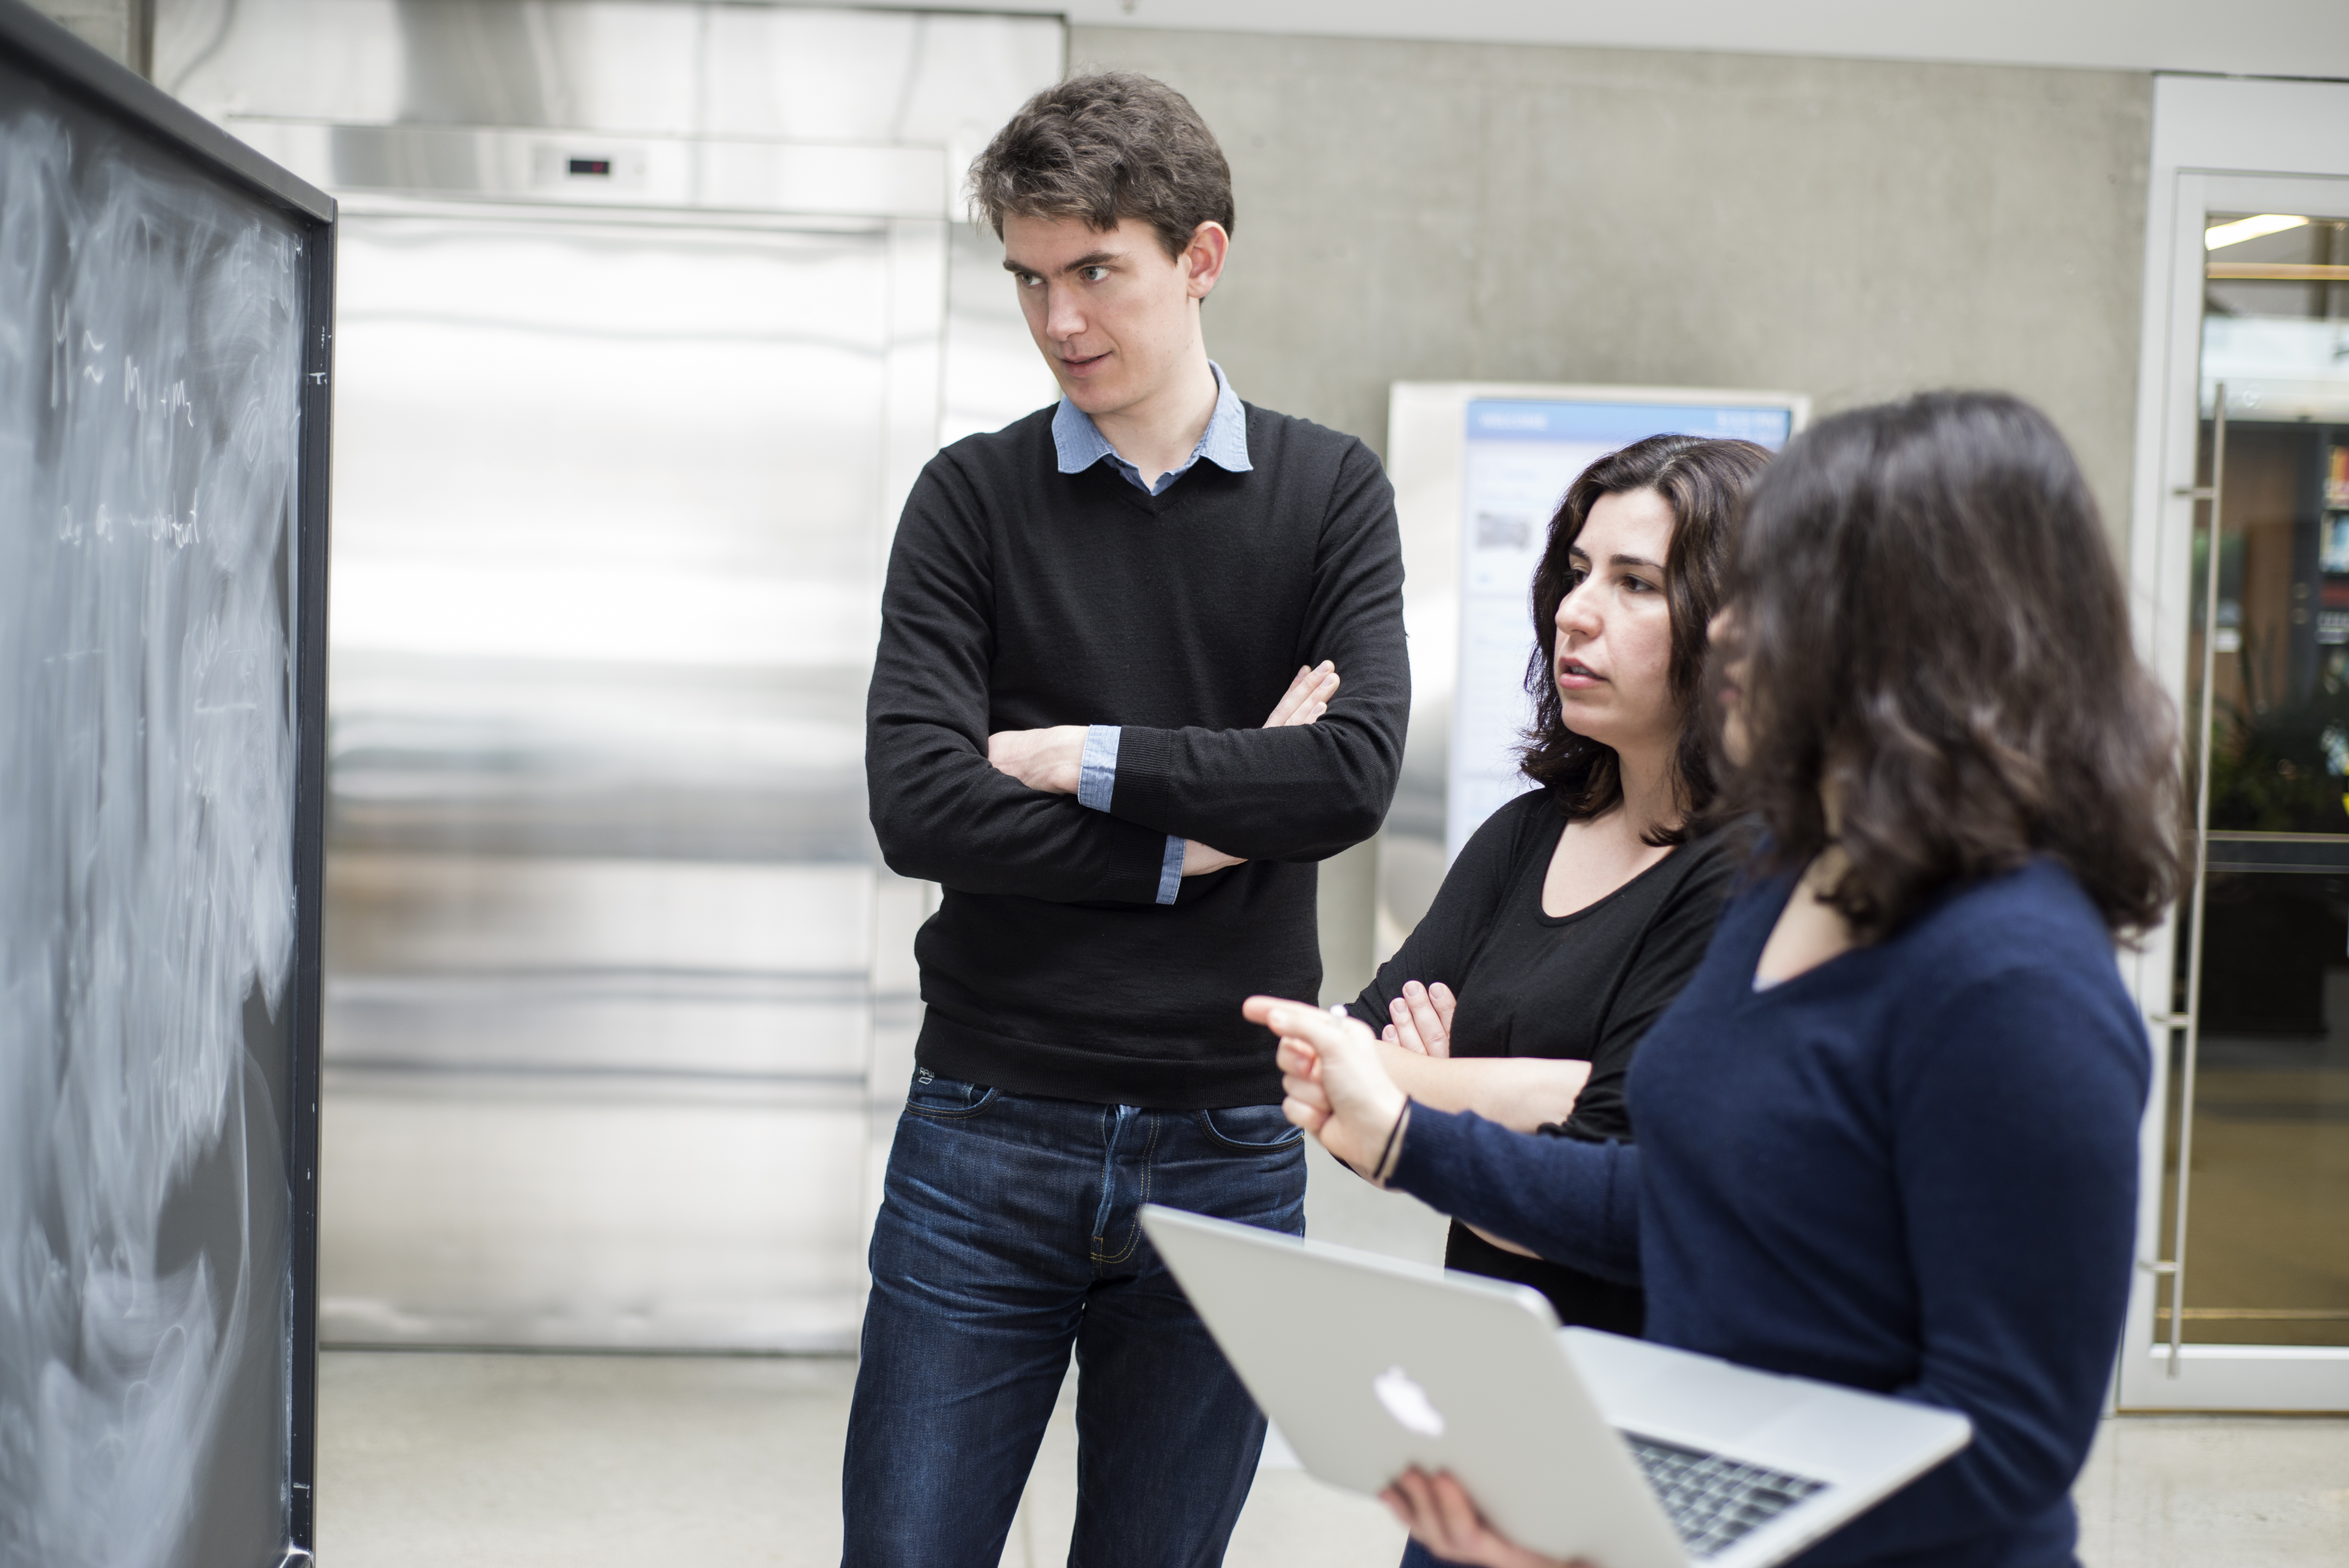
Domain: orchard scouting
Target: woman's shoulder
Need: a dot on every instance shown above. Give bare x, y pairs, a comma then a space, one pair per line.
2023, 908
1489, 869
2018, 975
1527, 824
2033, 918
1701, 877
1717, 863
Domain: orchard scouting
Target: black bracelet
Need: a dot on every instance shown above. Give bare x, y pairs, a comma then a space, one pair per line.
1378, 1166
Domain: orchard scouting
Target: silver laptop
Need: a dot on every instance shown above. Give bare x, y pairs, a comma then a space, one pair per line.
1573, 1442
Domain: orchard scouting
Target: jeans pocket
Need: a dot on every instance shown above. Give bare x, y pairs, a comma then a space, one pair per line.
935, 1094
1250, 1129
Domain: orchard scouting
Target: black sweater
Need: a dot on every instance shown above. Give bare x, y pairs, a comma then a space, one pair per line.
1582, 986
1018, 597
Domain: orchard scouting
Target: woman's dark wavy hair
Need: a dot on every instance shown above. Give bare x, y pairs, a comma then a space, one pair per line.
1935, 632
1704, 482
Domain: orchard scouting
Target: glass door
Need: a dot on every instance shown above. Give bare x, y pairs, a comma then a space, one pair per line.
2248, 1271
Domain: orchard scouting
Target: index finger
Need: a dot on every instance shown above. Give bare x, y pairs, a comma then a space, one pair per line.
1303, 1021
1259, 1009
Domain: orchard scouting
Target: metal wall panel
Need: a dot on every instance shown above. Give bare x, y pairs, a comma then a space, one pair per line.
650, 315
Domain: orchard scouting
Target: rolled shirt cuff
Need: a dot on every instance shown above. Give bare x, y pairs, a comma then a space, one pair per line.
1097, 773
1169, 870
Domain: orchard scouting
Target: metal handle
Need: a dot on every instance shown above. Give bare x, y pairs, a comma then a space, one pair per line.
2190, 1023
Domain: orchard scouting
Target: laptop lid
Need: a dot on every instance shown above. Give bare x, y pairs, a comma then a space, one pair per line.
1372, 1365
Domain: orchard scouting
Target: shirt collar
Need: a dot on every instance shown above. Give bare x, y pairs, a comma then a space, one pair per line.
1225, 440
1079, 444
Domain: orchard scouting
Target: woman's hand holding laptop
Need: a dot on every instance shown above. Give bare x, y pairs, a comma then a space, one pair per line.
1440, 1515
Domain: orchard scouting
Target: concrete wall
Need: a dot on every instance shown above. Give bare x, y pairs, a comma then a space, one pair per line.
123, 29
1849, 229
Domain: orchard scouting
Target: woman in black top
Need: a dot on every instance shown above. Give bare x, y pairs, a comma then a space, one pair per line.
1574, 914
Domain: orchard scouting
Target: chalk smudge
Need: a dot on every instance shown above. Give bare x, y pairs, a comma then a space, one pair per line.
149, 367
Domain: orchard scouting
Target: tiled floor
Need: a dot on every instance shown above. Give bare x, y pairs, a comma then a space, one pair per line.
586, 1461
2167, 1492
618, 1461
568, 1462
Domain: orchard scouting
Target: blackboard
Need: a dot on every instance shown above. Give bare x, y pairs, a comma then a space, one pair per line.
165, 307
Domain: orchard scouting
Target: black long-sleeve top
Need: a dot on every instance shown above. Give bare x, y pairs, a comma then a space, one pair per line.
1020, 597
1584, 986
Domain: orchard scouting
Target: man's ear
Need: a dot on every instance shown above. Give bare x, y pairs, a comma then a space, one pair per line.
1204, 256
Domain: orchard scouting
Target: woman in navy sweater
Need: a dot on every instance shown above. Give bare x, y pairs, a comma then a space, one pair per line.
1889, 1133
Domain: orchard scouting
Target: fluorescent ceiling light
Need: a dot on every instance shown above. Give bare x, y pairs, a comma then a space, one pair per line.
2242, 229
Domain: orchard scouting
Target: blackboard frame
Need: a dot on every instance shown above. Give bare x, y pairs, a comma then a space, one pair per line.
49, 52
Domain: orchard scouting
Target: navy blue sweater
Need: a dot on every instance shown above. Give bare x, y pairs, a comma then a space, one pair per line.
1911, 1170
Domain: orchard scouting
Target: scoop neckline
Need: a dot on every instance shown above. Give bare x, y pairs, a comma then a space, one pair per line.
1546, 918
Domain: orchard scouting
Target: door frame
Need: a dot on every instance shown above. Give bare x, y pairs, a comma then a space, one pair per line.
2237, 145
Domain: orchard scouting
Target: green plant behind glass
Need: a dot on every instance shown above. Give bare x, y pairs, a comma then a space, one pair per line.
2279, 769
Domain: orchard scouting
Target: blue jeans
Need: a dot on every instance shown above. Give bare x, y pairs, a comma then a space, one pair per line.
1009, 1233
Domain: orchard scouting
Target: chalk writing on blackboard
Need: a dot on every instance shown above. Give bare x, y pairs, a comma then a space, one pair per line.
149, 375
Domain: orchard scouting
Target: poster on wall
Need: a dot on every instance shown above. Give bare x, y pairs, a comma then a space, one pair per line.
1519, 456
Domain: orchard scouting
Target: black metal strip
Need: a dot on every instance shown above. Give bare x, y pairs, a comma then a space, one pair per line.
2315, 854
313, 530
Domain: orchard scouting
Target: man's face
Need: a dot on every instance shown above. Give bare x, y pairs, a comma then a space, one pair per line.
1115, 317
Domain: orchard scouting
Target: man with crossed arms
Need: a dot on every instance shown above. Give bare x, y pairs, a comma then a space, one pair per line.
1087, 617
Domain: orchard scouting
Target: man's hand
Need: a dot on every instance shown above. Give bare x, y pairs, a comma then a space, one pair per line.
1198, 860
1307, 700
1047, 760
1053, 760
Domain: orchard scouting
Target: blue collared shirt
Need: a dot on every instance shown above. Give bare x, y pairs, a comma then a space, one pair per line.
1080, 445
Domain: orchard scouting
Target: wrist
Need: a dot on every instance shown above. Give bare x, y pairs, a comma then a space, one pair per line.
1067, 760
1391, 1153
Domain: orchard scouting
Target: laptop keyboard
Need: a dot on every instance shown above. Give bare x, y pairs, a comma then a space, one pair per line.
1714, 1501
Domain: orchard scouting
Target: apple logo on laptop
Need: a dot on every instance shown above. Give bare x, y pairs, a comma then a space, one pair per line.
1407, 1402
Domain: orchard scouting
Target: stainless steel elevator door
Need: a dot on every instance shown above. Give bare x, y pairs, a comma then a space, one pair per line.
608, 493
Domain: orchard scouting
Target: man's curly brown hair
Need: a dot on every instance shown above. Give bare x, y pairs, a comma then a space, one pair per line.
1105, 147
